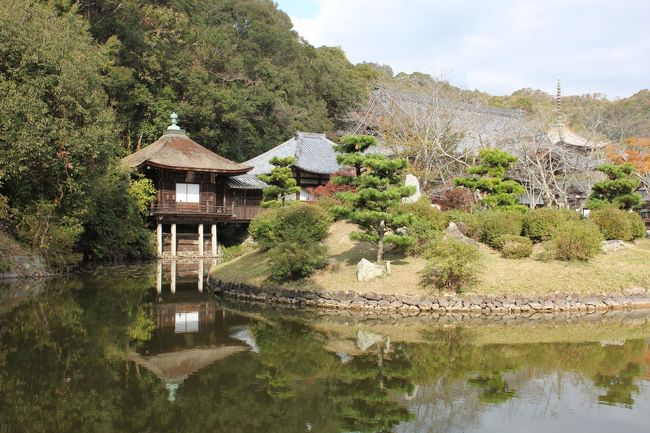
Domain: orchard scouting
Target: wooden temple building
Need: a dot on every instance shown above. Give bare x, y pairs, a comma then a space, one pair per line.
198, 188
193, 190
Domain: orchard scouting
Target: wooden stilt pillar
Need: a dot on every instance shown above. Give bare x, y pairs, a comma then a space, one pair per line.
174, 240
173, 277
214, 240
159, 271
201, 240
200, 272
159, 239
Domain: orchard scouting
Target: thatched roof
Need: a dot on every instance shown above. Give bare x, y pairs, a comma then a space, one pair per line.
176, 151
175, 367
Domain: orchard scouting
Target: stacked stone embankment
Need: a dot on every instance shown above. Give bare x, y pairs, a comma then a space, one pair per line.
483, 304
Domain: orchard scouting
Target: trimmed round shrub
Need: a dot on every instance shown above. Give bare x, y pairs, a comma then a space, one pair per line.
425, 225
499, 223
538, 224
294, 260
470, 224
515, 247
638, 225
617, 224
576, 240
264, 228
300, 222
452, 265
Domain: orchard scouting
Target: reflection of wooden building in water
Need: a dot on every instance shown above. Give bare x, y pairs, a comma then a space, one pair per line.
191, 333
193, 190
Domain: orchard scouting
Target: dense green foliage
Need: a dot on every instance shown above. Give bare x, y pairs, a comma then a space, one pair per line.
295, 260
618, 224
488, 178
292, 234
425, 225
281, 183
115, 230
58, 141
538, 224
233, 68
452, 265
576, 240
375, 202
497, 223
515, 247
619, 190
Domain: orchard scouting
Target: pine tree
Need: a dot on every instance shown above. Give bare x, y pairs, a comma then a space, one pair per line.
488, 178
619, 190
280, 181
375, 203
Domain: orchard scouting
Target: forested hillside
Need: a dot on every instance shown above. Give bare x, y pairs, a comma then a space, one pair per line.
237, 74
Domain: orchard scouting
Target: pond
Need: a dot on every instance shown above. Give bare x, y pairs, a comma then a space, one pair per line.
116, 350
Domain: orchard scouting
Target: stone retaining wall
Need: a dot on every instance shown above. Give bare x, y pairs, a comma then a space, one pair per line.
349, 299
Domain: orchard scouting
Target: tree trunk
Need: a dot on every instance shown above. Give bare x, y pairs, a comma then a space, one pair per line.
380, 243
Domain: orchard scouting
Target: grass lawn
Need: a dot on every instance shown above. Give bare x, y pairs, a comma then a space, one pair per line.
605, 273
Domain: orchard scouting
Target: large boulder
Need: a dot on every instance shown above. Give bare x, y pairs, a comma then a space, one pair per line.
613, 245
412, 181
366, 270
453, 232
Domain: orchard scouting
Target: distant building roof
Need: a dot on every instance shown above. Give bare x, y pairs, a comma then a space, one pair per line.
176, 151
313, 152
245, 181
561, 134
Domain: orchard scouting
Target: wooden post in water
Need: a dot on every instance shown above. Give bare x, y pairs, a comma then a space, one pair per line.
214, 240
201, 240
159, 239
174, 240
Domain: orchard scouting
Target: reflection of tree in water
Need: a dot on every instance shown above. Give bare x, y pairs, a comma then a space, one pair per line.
365, 387
289, 353
619, 387
494, 390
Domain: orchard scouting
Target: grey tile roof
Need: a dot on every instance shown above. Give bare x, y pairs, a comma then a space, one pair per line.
313, 153
245, 181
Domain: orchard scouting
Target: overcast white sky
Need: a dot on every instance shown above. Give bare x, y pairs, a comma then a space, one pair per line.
593, 46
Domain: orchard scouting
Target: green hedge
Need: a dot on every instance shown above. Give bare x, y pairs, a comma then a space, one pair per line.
514, 247
452, 265
618, 224
500, 223
538, 224
425, 225
576, 240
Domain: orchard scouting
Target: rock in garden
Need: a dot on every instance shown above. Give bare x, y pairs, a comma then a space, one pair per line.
366, 270
412, 181
613, 245
331, 264
453, 232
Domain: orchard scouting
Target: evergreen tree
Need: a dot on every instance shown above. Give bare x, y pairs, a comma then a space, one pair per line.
375, 203
488, 178
351, 150
281, 182
619, 190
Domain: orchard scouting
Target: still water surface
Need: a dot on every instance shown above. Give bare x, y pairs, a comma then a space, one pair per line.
110, 351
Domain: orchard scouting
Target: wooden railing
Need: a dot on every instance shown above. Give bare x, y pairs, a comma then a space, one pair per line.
191, 209
235, 211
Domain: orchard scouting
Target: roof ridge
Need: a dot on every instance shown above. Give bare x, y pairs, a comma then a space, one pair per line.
309, 134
